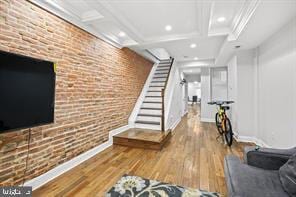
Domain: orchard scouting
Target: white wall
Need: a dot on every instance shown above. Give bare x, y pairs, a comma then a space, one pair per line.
194, 90
174, 99
193, 77
185, 95
263, 84
212, 88
245, 93
277, 88
207, 112
232, 92
219, 83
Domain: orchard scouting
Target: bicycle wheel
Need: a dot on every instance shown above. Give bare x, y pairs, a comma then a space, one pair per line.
219, 124
228, 132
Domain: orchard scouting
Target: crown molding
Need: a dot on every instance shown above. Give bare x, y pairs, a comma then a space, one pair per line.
119, 19
70, 17
242, 18
169, 38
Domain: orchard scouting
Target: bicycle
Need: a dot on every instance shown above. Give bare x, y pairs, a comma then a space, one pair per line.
222, 121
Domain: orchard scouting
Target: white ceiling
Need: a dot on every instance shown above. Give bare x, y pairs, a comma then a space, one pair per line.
149, 17
193, 21
227, 9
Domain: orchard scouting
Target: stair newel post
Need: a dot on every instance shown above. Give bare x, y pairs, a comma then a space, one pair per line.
162, 110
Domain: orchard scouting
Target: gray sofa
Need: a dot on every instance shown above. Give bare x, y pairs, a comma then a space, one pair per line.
258, 175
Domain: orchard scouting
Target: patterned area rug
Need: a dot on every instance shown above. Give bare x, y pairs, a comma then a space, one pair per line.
134, 186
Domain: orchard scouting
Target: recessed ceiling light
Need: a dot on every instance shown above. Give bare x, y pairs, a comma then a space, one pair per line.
168, 28
121, 34
193, 45
221, 19
195, 58
195, 82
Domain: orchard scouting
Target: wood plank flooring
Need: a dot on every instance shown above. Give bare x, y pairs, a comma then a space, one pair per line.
193, 158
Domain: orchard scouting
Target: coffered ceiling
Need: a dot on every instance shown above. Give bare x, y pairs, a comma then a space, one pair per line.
189, 30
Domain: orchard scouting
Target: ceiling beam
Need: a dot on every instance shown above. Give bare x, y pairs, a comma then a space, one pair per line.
63, 13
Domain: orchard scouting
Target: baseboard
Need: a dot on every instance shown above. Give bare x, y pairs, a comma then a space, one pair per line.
186, 112
254, 140
207, 120
57, 171
175, 124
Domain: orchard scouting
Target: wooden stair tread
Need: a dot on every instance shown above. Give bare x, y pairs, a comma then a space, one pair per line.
153, 96
154, 91
149, 115
142, 138
162, 69
150, 108
147, 122
159, 77
156, 86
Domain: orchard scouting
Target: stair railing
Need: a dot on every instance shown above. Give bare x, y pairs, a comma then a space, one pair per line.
163, 96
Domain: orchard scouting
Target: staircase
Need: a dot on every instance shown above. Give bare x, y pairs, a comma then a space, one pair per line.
151, 114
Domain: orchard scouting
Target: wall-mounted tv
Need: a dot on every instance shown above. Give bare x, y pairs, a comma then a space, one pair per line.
27, 92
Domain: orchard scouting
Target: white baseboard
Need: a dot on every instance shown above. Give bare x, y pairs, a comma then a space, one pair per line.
207, 120
57, 171
254, 140
175, 124
185, 112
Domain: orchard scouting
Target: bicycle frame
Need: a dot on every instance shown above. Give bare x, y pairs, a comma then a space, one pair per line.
222, 116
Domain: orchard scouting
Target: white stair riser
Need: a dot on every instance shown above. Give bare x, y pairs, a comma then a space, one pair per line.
148, 111
158, 84
159, 79
149, 118
165, 62
157, 99
161, 72
163, 67
153, 94
156, 88
161, 75
148, 126
152, 105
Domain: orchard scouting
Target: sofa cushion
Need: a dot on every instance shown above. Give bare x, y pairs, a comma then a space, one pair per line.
288, 176
244, 180
267, 158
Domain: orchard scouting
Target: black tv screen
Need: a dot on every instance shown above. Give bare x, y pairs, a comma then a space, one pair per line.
27, 91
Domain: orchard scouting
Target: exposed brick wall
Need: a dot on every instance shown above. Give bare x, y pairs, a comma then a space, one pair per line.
96, 89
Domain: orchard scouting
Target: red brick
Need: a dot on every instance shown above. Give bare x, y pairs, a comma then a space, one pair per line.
96, 89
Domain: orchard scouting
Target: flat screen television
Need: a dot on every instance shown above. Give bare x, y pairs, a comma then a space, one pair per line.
27, 92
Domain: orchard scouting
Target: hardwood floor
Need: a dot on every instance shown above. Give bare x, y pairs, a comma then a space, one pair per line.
193, 158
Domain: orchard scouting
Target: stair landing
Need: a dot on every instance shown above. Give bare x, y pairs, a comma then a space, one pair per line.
142, 138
